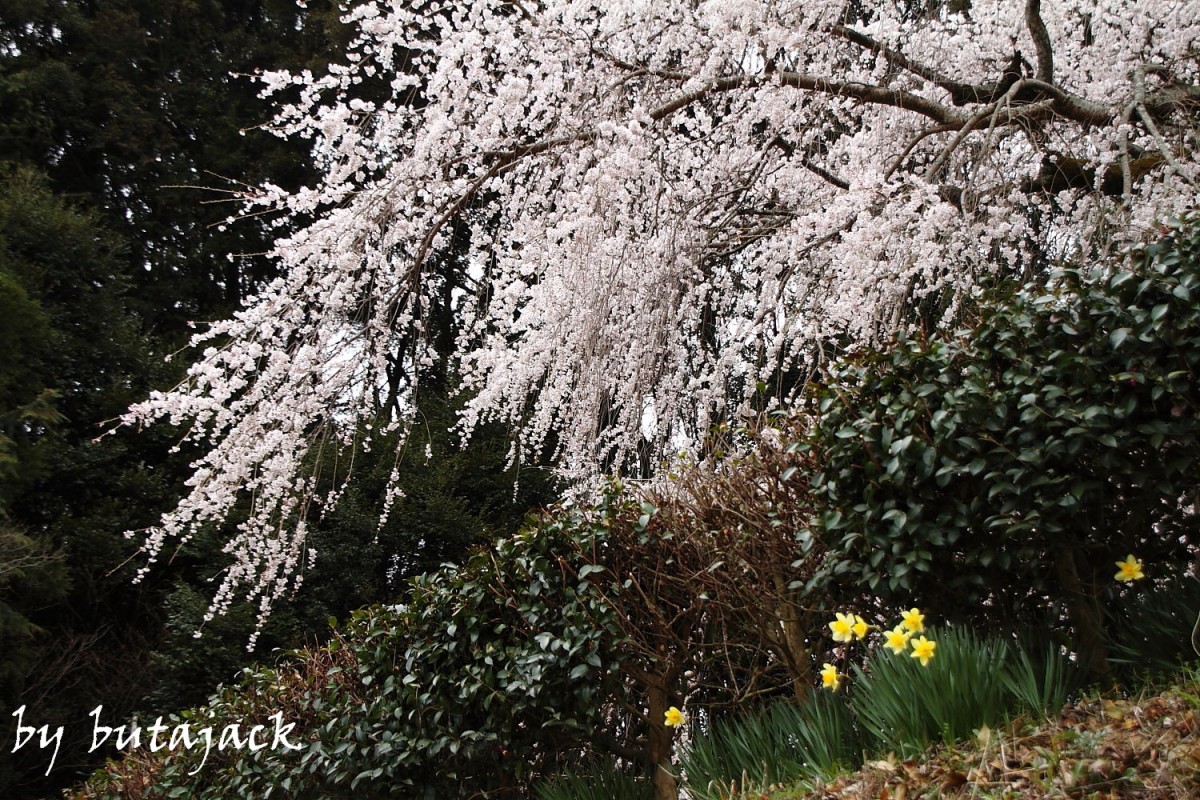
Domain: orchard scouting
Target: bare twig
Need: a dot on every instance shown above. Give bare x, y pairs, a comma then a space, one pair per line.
1139, 88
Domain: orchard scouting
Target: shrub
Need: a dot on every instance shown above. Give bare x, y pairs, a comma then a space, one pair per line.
510, 654
1003, 470
713, 552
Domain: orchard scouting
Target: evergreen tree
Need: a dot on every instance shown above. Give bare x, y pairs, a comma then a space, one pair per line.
111, 115
142, 107
74, 357
114, 117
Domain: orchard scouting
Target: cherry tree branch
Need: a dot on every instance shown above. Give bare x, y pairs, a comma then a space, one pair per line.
960, 93
1139, 102
788, 149
1070, 105
1041, 40
824, 174
875, 95
865, 92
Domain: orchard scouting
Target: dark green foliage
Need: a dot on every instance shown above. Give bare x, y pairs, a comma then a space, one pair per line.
74, 357
25, 332
128, 103
31, 575
62, 292
999, 474
492, 674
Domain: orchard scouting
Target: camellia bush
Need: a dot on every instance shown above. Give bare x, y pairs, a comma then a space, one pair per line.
1000, 473
491, 672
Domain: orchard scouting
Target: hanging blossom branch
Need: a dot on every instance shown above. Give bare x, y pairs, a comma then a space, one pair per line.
662, 207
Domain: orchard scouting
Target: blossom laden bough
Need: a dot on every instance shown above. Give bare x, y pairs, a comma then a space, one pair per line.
637, 213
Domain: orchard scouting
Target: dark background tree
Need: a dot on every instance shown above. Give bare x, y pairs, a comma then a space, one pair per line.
126, 129
139, 104
74, 356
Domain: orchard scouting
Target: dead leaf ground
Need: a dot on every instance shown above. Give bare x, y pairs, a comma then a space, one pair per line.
1101, 748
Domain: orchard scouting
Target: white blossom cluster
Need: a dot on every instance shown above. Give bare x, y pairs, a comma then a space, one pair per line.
669, 201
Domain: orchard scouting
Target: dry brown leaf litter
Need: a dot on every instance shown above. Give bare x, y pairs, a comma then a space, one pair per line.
1099, 749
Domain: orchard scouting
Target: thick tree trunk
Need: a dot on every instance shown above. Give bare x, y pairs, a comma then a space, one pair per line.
1083, 607
662, 745
795, 653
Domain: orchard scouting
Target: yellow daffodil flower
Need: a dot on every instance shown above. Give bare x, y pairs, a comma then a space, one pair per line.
674, 718
843, 628
830, 678
914, 620
860, 627
896, 639
923, 649
1130, 569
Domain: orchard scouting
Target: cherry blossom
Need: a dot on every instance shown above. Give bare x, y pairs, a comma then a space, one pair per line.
660, 212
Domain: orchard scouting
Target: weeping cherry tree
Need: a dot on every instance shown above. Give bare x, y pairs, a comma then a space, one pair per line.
655, 210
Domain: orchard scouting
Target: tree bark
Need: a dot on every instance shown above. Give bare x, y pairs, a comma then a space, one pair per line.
662, 746
796, 656
1083, 608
